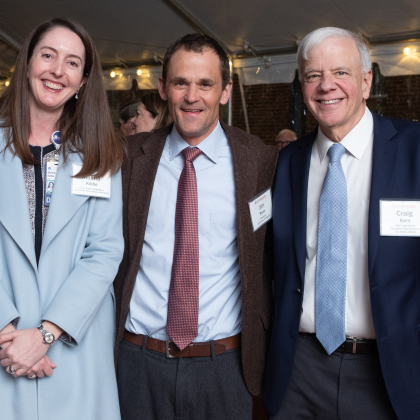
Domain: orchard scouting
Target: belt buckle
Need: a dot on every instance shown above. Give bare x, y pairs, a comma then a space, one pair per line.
355, 340
168, 355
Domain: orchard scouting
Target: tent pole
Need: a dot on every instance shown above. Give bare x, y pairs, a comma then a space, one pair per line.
241, 87
230, 108
231, 93
10, 41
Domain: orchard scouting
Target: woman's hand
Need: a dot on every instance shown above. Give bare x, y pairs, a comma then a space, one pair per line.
8, 328
25, 350
43, 368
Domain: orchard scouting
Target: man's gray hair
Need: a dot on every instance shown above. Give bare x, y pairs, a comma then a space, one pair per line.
315, 38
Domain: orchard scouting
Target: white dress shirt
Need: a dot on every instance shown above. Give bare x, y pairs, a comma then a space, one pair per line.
220, 299
357, 167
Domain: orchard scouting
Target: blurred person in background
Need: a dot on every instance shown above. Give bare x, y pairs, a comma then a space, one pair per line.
127, 115
284, 138
60, 248
151, 114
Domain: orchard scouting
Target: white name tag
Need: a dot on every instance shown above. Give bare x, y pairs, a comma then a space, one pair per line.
96, 187
399, 218
261, 209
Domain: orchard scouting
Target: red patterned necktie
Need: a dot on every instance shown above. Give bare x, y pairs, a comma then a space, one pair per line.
182, 321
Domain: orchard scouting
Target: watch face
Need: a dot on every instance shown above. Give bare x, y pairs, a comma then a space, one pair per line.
49, 338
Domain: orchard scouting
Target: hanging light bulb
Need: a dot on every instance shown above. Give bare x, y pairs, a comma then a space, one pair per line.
7, 83
139, 72
407, 51
112, 74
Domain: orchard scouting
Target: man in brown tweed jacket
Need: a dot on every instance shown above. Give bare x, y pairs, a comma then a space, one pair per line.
216, 374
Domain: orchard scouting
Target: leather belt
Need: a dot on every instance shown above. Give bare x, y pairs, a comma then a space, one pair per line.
193, 350
352, 345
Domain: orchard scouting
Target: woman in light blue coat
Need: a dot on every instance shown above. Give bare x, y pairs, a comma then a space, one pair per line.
59, 249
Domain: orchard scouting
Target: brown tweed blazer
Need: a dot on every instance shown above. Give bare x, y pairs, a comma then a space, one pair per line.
254, 166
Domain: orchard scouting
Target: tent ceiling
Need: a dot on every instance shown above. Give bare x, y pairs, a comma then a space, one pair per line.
133, 31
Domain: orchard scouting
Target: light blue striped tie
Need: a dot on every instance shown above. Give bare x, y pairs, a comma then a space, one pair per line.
331, 265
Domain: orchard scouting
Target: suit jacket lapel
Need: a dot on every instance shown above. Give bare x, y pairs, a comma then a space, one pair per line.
14, 208
300, 163
385, 153
63, 204
143, 174
244, 171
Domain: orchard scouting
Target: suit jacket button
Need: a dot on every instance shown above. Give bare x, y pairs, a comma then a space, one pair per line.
298, 290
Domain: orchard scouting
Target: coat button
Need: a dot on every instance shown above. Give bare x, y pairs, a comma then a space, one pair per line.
298, 290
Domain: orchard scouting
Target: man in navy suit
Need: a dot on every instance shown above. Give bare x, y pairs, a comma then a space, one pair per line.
345, 251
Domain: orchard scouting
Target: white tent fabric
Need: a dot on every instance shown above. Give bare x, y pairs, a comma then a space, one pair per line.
133, 33
123, 79
391, 59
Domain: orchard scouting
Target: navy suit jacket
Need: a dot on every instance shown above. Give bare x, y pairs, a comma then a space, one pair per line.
394, 264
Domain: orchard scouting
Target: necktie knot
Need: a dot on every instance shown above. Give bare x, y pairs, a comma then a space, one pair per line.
190, 153
336, 152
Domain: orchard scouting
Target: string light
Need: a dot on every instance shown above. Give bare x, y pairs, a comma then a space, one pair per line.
407, 51
7, 83
112, 74
139, 72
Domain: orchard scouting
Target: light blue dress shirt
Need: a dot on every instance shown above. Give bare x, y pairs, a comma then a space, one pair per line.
220, 288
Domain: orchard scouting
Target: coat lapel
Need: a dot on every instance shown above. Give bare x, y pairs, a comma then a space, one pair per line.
63, 204
143, 174
244, 171
300, 163
245, 176
385, 153
14, 208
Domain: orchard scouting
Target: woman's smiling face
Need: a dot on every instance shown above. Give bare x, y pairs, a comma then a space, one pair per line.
55, 70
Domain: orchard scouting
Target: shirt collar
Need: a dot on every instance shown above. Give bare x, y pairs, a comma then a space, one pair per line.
210, 146
355, 142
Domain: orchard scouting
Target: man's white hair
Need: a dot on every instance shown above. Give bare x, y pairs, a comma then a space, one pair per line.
315, 38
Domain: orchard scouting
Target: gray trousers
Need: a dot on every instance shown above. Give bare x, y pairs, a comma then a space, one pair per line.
341, 386
152, 387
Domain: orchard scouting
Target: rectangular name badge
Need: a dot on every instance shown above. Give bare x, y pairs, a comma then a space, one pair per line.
51, 167
261, 209
399, 218
95, 187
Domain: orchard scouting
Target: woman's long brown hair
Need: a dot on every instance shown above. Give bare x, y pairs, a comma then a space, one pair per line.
157, 107
85, 124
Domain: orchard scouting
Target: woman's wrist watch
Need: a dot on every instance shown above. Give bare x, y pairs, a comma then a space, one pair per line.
48, 337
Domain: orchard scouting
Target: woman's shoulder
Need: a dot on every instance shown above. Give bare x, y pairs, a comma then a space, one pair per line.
3, 138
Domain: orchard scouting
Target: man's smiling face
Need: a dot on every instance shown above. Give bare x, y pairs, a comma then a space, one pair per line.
194, 91
335, 87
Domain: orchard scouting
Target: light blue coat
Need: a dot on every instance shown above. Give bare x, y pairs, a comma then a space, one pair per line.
72, 287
